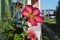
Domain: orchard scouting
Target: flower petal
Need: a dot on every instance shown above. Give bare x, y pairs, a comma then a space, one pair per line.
36, 11
25, 13
33, 35
29, 8
32, 21
39, 19
33, 39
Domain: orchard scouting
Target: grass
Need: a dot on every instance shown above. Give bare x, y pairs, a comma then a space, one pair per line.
48, 20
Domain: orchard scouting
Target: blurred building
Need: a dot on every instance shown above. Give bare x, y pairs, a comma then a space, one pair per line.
49, 12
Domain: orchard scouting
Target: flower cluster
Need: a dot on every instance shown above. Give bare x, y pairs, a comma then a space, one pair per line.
33, 16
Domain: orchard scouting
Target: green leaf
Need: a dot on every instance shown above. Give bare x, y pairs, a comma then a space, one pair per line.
10, 34
17, 37
25, 34
21, 38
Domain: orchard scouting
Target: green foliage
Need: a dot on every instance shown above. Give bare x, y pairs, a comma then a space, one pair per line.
12, 32
58, 14
25, 34
17, 37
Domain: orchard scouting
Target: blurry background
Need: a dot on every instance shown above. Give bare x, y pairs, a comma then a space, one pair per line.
50, 11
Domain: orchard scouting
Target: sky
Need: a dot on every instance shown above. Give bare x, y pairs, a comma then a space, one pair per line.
49, 4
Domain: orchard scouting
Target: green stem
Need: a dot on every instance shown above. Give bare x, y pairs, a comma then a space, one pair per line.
25, 2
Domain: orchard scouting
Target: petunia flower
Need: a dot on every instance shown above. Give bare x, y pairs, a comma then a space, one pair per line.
32, 14
32, 35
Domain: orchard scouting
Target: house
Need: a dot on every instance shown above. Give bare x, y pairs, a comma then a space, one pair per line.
48, 12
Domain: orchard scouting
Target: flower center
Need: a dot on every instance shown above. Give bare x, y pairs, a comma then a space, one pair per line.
31, 15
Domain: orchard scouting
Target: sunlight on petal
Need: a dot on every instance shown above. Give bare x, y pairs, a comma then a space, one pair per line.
36, 11
39, 19
29, 8
25, 13
32, 21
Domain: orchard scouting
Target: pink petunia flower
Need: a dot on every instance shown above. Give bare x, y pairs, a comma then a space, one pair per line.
32, 34
32, 14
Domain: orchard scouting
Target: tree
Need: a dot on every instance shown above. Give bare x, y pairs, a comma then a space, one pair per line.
58, 14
